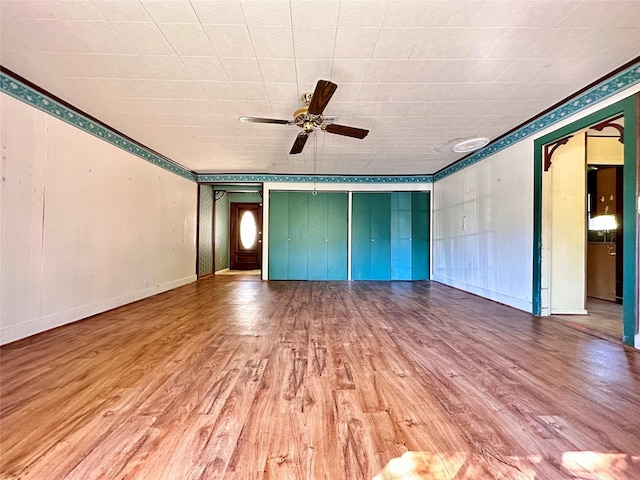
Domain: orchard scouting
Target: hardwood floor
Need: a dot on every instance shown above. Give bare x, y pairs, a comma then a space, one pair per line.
603, 319
236, 378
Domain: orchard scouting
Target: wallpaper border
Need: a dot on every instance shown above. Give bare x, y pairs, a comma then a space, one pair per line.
43, 102
212, 178
602, 91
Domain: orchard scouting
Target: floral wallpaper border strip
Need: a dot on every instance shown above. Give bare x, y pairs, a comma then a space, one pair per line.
315, 178
607, 88
20, 91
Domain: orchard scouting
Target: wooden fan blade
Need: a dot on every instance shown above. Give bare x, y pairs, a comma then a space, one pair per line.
298, 145
321, 96
264, 120
347, 131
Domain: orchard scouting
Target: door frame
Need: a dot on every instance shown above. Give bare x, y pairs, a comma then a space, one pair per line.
629, 108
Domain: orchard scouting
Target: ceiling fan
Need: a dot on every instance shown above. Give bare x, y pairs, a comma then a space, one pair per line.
310, 118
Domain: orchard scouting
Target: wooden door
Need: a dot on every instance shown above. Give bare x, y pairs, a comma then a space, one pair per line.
246, 236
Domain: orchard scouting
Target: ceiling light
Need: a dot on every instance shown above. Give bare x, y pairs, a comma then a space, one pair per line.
470, 144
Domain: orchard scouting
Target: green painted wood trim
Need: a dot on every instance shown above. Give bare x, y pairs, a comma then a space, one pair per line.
43, 102
628, 108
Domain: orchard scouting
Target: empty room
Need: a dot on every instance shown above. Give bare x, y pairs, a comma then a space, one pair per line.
319, 239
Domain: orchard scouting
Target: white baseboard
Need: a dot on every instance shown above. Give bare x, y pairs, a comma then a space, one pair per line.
42, 324
564, 311
164, 287
495, 296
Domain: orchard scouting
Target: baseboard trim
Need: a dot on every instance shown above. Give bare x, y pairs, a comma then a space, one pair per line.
518, 303
32, 327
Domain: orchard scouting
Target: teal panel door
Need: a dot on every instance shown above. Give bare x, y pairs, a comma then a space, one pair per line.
318, 236
420, 207
361, 236
337, 235
328, 235
401, 236
380, 236
298, 237
278, 235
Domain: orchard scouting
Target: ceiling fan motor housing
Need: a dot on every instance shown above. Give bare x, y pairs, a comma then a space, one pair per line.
308, 122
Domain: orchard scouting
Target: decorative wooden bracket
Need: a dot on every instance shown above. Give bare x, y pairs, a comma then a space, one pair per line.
609, 123
218, 194
549, 148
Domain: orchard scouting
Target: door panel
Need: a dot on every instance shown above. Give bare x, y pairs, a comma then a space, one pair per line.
371, 236
318, 237
420, 235
298, 235
361, 236
278, 235
337, 234
380, 236
401, 236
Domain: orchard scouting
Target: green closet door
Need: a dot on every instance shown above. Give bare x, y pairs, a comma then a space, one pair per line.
401, 236
380, 236
318, 237
278, 235
361, 236
371, 236
337, 235
420, 235
298, 227
328, 217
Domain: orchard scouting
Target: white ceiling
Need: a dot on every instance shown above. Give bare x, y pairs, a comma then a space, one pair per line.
175, 75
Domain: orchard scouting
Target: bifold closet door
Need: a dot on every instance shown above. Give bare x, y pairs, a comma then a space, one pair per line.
390, 236
278, 235
371, 236
298, 239
401, 250
328, 216
308, 235
420, 206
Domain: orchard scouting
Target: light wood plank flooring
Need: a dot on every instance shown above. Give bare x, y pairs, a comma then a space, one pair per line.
603, 319
236, 378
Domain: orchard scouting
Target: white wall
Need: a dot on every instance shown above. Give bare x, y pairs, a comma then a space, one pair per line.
564, 228
482, 229
492, 255
85, 226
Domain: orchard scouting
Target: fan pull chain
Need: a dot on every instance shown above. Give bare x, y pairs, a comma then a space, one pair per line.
315, 159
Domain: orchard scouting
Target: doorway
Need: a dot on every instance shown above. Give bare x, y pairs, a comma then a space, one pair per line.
573, 245
246, 236
226, 248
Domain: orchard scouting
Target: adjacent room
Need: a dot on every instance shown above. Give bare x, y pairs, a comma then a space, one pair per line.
303, 239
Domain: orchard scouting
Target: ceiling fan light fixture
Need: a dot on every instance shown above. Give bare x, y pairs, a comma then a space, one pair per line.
470, 144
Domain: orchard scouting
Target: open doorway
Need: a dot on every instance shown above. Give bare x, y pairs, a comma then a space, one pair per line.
214, 234
582, 228
238, 207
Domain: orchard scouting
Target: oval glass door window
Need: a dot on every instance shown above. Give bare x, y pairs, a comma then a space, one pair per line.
248, 230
